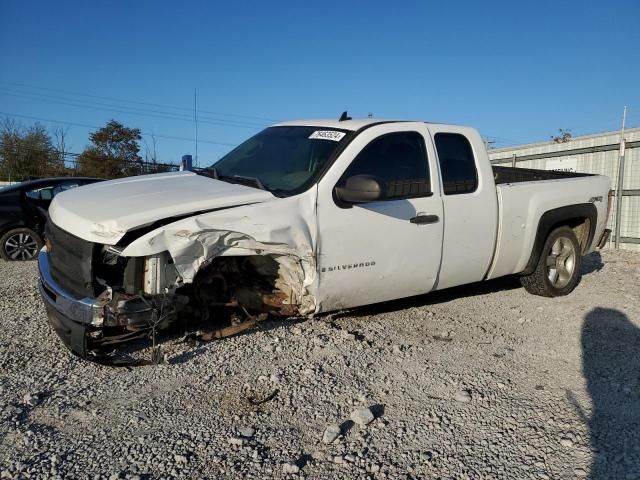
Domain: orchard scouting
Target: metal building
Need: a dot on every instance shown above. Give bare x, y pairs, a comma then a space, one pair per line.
599, 153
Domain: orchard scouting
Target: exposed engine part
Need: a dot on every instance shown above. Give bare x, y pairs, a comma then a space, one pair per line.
160, 275
136, 312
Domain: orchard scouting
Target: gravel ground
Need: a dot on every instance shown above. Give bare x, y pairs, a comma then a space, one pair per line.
484, 381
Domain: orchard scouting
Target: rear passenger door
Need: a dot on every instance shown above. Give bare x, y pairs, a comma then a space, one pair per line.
470, 205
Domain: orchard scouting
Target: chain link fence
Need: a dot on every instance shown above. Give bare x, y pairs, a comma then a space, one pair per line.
67, 166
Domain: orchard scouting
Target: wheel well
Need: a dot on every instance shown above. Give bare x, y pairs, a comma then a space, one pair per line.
580, 218
13, 226
581, 226
257, 283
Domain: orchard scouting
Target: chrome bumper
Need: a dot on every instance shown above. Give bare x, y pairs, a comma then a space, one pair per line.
85, 311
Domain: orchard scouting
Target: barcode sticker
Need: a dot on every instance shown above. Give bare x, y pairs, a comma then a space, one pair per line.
327, 135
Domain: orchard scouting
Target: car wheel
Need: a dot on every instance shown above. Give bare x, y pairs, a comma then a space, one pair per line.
20, 244
559, 267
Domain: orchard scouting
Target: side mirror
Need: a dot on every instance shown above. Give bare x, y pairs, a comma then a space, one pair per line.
360, 189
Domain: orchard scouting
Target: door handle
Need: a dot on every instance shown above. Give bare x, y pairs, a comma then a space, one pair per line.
424, 219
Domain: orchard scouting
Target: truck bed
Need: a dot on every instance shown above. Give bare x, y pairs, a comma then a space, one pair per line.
526, 197
518, 175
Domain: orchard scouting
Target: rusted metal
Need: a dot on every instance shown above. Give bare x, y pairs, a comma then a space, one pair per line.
281, 302
233, 329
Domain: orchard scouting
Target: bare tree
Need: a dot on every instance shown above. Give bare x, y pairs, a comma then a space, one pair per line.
60, 136
564, 135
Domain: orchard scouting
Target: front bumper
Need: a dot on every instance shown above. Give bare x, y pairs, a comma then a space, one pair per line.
70, 317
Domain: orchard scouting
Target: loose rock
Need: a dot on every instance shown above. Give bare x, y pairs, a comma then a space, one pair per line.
331, 433
290, 467
247, 432
362, 416
463, 396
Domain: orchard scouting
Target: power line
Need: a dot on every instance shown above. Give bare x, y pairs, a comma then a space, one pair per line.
174, 107
132, 111
84, 125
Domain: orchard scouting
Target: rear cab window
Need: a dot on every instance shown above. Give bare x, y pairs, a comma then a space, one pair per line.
457, 163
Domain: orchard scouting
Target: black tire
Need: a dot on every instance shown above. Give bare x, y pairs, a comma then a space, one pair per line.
20, 244
559, 267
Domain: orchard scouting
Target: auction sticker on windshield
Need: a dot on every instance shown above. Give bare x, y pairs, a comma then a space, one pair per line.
328, 135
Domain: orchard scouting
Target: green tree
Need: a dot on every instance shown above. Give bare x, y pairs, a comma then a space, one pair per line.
27, 153
114, 152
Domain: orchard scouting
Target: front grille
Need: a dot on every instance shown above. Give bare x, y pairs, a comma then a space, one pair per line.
70, 261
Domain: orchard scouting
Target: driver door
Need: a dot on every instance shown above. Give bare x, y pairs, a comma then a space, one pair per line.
391, 247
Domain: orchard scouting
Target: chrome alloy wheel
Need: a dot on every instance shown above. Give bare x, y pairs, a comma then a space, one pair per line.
21, 246
561, 262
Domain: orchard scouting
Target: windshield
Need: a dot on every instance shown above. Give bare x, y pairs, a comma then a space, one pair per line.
283, 159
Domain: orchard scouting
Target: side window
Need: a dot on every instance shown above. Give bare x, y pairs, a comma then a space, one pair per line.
46, 194
33, 194
458, 167
397, 159
40, 194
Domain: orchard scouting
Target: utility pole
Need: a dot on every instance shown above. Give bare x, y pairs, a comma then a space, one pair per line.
620, 179
195, 119
488, 144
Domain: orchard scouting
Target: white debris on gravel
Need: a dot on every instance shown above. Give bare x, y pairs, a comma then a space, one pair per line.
290, 467
532, 407
463, 396
247, 432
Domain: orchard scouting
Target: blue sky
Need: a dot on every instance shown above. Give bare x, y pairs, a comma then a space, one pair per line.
517, 71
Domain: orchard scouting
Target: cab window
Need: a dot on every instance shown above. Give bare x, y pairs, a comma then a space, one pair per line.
399, 160
457, 164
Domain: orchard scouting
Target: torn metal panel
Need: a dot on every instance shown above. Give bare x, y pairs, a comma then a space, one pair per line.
287, 238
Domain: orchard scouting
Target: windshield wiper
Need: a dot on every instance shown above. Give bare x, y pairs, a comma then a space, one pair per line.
242, 180
212, 172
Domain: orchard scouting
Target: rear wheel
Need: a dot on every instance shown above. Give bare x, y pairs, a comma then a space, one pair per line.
559, 267
20, 244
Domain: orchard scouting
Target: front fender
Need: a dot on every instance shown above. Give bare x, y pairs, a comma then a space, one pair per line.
285, 229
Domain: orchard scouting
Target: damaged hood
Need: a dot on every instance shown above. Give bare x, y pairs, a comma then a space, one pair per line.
103, 212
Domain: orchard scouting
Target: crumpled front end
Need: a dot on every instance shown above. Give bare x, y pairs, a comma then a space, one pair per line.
265, 276
204, 267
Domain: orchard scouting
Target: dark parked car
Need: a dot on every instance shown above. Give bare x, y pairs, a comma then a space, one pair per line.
23, 210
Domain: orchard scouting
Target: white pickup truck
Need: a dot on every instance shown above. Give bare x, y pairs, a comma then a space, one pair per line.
308, 217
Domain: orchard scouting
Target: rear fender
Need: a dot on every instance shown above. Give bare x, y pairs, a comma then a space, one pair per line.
571, 215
